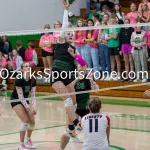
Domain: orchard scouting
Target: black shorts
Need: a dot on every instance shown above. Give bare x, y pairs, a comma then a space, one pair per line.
45, 53
113, 51
148, 52
82, 112
13, 104
62, 76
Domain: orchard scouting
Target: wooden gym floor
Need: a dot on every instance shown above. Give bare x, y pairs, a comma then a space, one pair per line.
130, 127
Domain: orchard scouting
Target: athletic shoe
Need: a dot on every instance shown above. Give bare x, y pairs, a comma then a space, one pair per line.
144, 80
78, 128
29, 144
3, 87
136, 80
72, 135
22, 147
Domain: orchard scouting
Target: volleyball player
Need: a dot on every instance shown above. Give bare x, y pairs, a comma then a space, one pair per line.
23, 109
96, 127
87, 83
65, 63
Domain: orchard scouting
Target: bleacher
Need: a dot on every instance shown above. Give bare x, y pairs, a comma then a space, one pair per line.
136, 92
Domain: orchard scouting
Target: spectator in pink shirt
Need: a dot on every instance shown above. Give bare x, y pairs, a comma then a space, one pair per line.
144, 2
144, 15
57, 25
133, 15
90, 52
79, 37
47, 51
31, 55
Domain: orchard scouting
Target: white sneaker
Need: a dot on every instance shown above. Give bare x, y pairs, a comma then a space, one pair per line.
107, 78
29, 144
22, 147
136, 80
117, 78
144, 80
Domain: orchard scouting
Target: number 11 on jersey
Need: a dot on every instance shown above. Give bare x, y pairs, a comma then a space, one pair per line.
91, 125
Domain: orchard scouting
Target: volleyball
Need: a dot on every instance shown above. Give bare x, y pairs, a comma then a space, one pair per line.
70, 1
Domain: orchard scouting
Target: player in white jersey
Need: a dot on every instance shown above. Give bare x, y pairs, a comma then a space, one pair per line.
96, 127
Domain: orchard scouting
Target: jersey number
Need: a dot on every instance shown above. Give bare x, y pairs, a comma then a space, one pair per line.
91, 125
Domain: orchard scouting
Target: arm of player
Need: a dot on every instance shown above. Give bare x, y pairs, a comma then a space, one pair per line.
21, 97
33, 102
108, 129
65, 18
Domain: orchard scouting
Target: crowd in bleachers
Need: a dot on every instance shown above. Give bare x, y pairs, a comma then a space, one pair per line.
102, 49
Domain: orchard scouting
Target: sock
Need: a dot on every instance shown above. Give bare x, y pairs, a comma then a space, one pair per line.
76, 121
3, 82
28, 138
21, 143
71, 127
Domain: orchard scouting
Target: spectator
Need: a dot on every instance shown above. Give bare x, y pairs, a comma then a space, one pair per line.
72, 19
112, 35
106, 18
85, 20
79, 38
15, 63
93, 11
144, 2
144, 15
90, 52
96, 20
133, 15
105, 10
139, 52
97, 4
47, 51
120, 15
20, 49
104, 55
7, 46
125, 37
31, 55
147, 35
57, 25
3, 63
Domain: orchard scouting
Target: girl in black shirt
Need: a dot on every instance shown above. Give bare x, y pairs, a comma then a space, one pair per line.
24, 110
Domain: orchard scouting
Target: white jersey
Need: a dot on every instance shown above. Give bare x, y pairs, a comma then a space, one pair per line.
94, 128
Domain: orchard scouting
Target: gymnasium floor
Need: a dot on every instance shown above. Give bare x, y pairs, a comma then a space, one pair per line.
130, 127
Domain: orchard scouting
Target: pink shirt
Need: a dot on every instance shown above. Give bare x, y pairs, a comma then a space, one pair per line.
47, 39
29, 54
139, 9
147, 34
56, 36
3, 62
133, 17
95, 37
79, 37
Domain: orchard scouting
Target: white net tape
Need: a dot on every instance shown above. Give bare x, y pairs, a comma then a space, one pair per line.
73, 93
39, 31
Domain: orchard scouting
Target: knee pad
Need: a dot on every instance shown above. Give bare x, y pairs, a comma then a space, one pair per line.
31, 126
24, 127
68, 102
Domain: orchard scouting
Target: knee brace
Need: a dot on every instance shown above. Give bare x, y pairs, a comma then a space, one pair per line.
24, 127
31, 126
68, 102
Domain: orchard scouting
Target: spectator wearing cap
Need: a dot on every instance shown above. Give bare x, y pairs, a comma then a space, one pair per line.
72, 19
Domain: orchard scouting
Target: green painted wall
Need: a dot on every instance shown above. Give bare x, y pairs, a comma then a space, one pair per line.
24, 39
